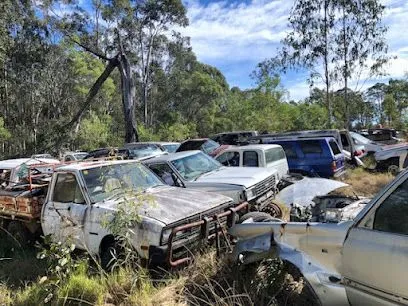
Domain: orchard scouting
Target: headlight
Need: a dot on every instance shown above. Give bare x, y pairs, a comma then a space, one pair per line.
250, 194
165, 235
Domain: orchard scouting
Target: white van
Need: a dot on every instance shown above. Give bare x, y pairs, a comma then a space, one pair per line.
268, 156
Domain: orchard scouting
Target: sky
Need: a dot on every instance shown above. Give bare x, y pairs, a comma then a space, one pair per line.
235, 35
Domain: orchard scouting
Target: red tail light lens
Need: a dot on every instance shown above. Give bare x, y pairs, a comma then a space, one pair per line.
358, 153
334, 166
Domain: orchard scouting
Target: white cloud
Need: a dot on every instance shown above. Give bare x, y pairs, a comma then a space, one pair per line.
236, 31
235, 35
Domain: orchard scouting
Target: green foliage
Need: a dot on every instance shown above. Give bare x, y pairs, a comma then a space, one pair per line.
33, 294
5, 296
94, 132
80, 289
4, 133
177, 131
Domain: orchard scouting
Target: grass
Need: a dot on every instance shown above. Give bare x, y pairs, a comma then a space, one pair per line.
367, 183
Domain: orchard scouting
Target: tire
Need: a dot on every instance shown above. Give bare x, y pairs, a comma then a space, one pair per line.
393, 170
258, 217
109, 256
18, 234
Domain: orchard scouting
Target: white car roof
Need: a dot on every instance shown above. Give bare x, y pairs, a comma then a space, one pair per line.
13, 163
261, 147
83, 165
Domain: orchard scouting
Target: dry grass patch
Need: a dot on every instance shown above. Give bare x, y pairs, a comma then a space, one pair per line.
367, 183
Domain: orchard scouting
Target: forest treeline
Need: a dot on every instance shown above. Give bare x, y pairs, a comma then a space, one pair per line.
64, 71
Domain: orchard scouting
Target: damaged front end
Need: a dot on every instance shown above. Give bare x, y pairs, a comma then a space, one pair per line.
321, 200
313, 248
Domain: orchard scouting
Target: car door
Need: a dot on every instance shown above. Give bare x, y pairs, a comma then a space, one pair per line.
65, 211
375, 253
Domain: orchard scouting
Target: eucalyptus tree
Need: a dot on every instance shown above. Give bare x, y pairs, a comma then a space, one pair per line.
125, 35
360, 49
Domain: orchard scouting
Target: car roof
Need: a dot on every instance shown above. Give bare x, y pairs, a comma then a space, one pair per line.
13, 163
172, 156
83, 165
302, 139
234, 132
160, 142
262, 147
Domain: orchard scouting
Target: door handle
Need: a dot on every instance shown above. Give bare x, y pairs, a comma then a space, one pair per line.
51, 208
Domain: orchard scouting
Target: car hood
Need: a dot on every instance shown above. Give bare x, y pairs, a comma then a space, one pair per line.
244, 176
304, 191
171, 204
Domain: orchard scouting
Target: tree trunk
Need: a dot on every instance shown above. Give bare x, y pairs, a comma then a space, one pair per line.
128, 96
345, 72
326, 65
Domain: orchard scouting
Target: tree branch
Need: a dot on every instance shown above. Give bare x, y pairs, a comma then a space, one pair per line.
112, 64
90, 50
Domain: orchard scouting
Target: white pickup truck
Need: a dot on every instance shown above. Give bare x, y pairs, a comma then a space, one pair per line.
82, 197
269, 156
196, 170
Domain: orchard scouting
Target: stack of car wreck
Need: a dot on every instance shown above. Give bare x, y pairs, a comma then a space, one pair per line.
272, 192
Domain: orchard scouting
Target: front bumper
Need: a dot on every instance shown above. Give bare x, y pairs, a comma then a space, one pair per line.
179, 252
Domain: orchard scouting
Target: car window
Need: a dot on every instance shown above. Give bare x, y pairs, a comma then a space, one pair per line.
311, 147
274, 154
209, 146
229, 159
165, 173
250, 159
289, 150
334, 146
392, 215
66, 190
344, 140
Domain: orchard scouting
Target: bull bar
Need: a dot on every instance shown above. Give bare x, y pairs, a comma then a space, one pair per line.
205, 228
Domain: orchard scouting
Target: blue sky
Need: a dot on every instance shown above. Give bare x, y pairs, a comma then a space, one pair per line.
235, 35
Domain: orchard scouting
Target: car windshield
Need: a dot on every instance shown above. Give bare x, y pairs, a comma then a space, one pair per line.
209, 146
171, 148
108, 181
360, 138
144, 150
192, 166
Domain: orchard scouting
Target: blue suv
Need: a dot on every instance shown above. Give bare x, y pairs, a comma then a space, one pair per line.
311, 156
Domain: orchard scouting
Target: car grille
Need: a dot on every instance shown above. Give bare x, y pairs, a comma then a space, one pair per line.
266, 185
195, 232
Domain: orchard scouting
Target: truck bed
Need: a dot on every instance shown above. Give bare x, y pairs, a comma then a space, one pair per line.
22, 204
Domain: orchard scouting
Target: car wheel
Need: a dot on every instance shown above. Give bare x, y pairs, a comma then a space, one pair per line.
393, 169
258, 216
109, 256
18, 234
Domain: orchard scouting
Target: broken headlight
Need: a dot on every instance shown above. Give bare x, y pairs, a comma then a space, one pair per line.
166, 235
250, 194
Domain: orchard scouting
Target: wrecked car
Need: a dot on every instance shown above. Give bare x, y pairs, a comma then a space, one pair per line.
194, 169
81, 196
321, 200
357, 262
391, 158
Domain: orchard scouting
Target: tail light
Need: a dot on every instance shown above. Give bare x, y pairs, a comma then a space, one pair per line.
334, 166
358, 152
